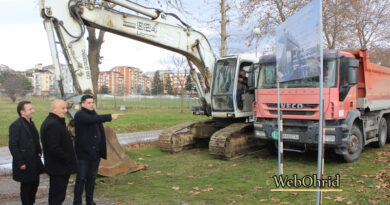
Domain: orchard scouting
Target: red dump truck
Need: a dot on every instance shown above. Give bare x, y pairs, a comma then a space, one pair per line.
356, 105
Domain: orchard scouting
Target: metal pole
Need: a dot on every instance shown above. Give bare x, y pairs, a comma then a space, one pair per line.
320, 160
280, 140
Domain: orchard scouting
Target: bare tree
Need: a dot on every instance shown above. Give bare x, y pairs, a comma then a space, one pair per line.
267, 14
94, 48
335, 22
180, 72
369, 23
216, 17
95, 42
224, 21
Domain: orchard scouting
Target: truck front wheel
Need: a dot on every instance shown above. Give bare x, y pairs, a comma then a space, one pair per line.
388, 128
355, 145
382, 133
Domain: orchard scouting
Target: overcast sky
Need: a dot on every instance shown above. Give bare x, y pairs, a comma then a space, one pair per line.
23, 42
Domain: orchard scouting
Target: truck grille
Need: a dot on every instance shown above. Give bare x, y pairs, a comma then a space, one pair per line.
305, 106
284, 112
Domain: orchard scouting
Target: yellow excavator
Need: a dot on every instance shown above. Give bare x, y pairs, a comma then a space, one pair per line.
228, 131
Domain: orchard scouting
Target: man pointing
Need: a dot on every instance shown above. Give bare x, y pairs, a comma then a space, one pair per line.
90, 146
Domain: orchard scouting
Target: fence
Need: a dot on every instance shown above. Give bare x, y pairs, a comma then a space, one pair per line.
138, 101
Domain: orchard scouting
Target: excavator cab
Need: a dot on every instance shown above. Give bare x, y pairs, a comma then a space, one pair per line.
231, 97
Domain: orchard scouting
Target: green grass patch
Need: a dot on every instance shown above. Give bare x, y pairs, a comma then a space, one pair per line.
194, 177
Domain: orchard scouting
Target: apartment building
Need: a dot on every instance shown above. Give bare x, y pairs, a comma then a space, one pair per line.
134, 81
44, 81
67, 80
113, 80
178, 80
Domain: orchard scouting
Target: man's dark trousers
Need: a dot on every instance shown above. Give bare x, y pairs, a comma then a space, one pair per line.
57, 190
28, 191
87, 171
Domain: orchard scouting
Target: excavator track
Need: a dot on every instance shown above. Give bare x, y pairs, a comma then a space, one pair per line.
186, 135
233, 141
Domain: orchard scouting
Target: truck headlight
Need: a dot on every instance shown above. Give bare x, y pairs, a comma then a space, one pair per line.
260, 134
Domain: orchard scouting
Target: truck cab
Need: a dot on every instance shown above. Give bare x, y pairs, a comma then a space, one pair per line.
346, 118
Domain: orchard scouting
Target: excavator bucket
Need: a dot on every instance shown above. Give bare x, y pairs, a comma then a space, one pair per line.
117, 161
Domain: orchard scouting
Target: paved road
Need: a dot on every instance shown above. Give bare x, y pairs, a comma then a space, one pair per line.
9, 189
9, 192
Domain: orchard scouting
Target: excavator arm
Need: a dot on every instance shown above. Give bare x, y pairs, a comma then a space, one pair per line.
67, 19
230, 136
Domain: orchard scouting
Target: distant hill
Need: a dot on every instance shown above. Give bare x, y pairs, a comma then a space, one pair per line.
4, 68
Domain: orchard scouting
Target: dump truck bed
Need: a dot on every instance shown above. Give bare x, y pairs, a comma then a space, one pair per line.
374, 83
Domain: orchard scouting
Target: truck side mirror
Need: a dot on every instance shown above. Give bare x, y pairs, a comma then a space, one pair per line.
252, 76
353, 77
353, 73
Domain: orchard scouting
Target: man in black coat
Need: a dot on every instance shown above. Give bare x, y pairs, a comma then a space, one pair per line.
90, 146
26, 152
60, 158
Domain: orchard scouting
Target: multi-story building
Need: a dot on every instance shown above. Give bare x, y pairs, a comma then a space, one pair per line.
133, 79
67, 80
41, 80
113, 80
178, 80
146, 83
44, 81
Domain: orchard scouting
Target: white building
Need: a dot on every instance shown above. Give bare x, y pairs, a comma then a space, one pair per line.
44, 82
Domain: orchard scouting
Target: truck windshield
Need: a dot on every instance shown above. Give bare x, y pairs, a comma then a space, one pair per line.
224, 77
267, 71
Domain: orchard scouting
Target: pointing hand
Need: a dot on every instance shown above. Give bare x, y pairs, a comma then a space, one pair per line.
115, 116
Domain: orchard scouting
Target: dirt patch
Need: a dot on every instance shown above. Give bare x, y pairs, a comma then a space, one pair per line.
141, 145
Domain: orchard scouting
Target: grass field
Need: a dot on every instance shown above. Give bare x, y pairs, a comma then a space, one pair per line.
141, 114
194, 177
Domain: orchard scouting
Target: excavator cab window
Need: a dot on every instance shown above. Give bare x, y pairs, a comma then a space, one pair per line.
242, 85
224, 84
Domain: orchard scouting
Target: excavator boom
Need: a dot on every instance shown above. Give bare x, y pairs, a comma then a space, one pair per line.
66, 21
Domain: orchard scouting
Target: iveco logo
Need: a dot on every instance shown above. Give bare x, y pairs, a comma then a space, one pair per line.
292, 106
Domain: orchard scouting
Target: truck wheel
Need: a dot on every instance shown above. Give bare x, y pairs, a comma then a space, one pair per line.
388, 129
382, 134
355, 145
272, 149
